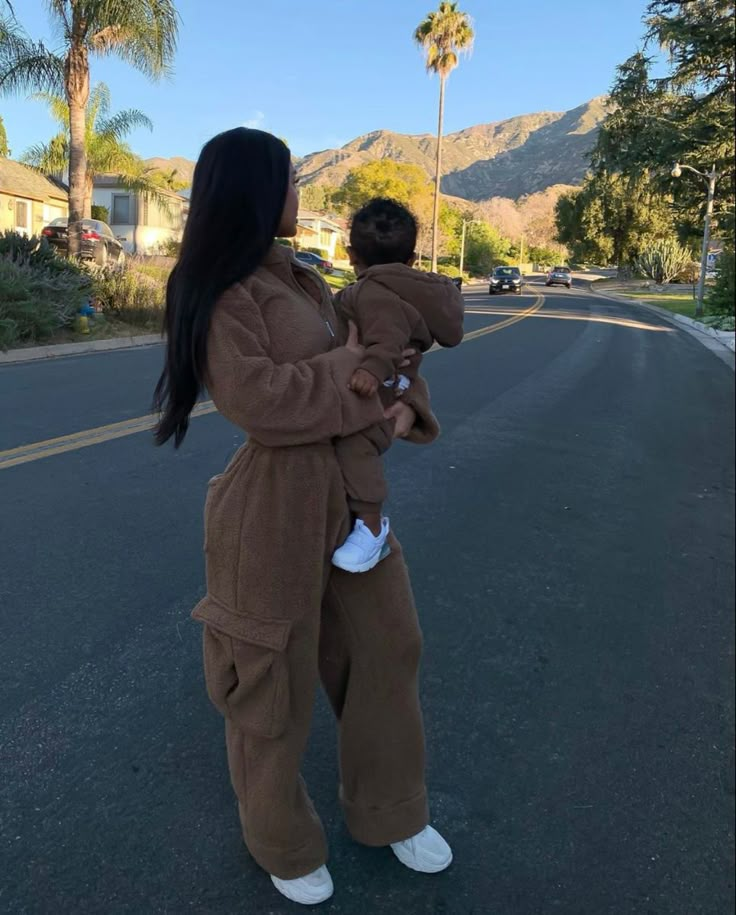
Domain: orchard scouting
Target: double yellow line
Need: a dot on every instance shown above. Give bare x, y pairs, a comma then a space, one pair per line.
36, 451
88, 437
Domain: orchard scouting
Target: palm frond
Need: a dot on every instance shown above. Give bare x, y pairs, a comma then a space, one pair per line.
445, 34
57, 106
143, 33
50, 158
122, 123
27, 66
99, 103
140, 181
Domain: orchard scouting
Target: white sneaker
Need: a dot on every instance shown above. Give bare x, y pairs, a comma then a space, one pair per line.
361, 551
310, 890
426, 852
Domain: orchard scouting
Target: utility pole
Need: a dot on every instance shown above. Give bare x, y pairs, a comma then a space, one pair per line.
462, 247
521, 253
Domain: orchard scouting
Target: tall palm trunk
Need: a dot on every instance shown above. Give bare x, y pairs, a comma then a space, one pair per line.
89, 188
438, 178
77, 94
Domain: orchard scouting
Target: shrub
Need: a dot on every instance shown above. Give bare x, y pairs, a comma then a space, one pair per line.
341, 252
35, 302
37, 253
152, 270
40, 292
661, 261
170, 248
129, 295
689, 274
101, 213
721, 295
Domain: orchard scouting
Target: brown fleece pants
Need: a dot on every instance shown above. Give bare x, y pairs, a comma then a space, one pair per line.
365, 645
360, 459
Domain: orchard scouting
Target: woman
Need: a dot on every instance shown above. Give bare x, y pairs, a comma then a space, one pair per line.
244, 318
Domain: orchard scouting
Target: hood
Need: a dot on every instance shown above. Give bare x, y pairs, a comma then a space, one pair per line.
435, 297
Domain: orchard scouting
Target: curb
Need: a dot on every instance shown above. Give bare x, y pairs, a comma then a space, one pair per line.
724, 339
59, 350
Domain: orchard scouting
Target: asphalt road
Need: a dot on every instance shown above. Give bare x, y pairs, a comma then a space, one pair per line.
571, 541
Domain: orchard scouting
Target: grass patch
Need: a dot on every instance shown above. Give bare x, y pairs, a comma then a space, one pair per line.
338, 282
152, 271
681, 303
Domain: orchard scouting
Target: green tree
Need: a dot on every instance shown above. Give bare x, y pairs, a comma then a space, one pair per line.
405, 183
443, 35
612, 218
4, 151
317, 197
107, 153
143, 33
722, 294
408, 184
485, 247
686, 116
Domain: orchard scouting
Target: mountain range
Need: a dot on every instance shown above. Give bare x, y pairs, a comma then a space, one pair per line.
514, 158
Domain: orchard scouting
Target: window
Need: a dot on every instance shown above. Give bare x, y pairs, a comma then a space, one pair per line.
22, 216
121, 210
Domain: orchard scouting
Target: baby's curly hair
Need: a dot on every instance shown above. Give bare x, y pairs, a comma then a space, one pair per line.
383, 232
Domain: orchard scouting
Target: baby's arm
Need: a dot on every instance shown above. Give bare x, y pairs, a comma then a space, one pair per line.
385, 331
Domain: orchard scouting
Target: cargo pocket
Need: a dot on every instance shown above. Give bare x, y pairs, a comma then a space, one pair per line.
245, 668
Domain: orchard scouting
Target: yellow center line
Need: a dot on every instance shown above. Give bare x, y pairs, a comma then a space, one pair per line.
75, 441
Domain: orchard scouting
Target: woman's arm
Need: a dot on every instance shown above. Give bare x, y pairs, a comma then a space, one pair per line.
280, 404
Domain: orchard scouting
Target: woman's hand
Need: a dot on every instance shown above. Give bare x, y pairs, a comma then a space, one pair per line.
407, 357
404, 415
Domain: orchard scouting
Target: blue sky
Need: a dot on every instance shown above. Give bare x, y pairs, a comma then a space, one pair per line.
323, 72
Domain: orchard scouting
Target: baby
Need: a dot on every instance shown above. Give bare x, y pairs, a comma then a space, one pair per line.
395, 308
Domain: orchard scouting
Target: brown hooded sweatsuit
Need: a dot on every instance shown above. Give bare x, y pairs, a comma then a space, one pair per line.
277, 615
394, 307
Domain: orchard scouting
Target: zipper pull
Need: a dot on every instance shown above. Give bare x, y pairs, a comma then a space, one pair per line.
329, 327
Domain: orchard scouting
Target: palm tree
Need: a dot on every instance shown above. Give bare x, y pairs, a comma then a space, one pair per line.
107, 154
141, 32
443, 35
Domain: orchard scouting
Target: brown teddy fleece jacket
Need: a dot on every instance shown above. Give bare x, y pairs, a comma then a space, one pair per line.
396, 307
276, 369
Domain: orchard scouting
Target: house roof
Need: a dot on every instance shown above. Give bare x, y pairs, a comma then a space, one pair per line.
318, 217
114, 181
21, 181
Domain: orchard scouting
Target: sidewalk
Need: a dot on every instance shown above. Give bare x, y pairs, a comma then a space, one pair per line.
57, 350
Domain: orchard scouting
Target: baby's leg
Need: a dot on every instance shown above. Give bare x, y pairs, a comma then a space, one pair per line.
359, 457
361, 464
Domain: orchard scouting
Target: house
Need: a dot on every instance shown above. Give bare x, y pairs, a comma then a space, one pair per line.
314, 230
28, 200
144, 225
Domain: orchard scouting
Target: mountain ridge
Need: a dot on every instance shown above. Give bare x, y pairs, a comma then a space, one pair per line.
513, 158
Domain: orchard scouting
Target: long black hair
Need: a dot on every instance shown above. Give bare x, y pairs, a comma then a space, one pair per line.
238, 194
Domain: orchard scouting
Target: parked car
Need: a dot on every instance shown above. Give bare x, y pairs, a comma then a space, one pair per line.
314, 260
505, 279
559, 276
98, 242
